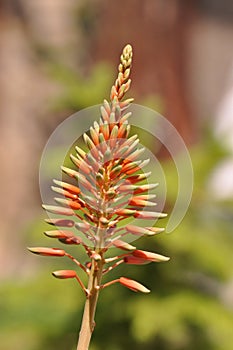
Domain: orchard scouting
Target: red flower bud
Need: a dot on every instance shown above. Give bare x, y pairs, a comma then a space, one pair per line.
68, 203
137, 230
63, 274
47, 251
145, 188
81, 164
59, 233
125, 212
153, 257
60, 222
71, 240
58, 210
133, 285
123, 245
138, 202
149, 215
64, 193
67, 186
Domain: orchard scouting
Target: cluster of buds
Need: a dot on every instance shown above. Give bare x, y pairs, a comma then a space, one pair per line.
107, 186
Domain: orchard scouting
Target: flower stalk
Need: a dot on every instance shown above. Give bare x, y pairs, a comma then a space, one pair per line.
111, 187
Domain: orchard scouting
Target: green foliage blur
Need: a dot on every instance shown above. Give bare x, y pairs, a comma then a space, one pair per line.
186, 309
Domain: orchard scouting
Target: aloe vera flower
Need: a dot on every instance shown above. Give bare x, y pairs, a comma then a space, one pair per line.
108, 185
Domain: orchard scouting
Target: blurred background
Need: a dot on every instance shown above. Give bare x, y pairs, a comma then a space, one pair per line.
57, 57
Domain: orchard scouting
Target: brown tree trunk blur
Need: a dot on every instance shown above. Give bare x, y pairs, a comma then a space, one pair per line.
24, 94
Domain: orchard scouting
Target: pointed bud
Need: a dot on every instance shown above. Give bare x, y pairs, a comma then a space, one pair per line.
69, 171
58, 210
130, 165
105, 130
133, 285
136, 154
81, 164
144, 163
138, 231
68, 203
138, 202
146, 197
107, 106
125, 103
117, 112
83, 181
80, 152
123, 245
71, 240
59, 234
90, 144
63, 274
94, 132
125, 117
113, 93
121, 151
149, 215
93, 163
47, 251
90, 200
137, 178
122, 91
130, 141
83, 226
64, 193
112, 118
132, 147
149, 256
127, 188
155, 229
102, 145
67, 186
104, 114
122, 131
60, 222
125, 212
114, 132
144, 188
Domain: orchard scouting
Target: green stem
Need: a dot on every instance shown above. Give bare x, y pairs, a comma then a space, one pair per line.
88, 322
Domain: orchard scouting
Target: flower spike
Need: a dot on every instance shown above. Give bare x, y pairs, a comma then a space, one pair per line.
106, 187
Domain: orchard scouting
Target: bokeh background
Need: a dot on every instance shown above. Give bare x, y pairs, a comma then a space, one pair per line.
59, 56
